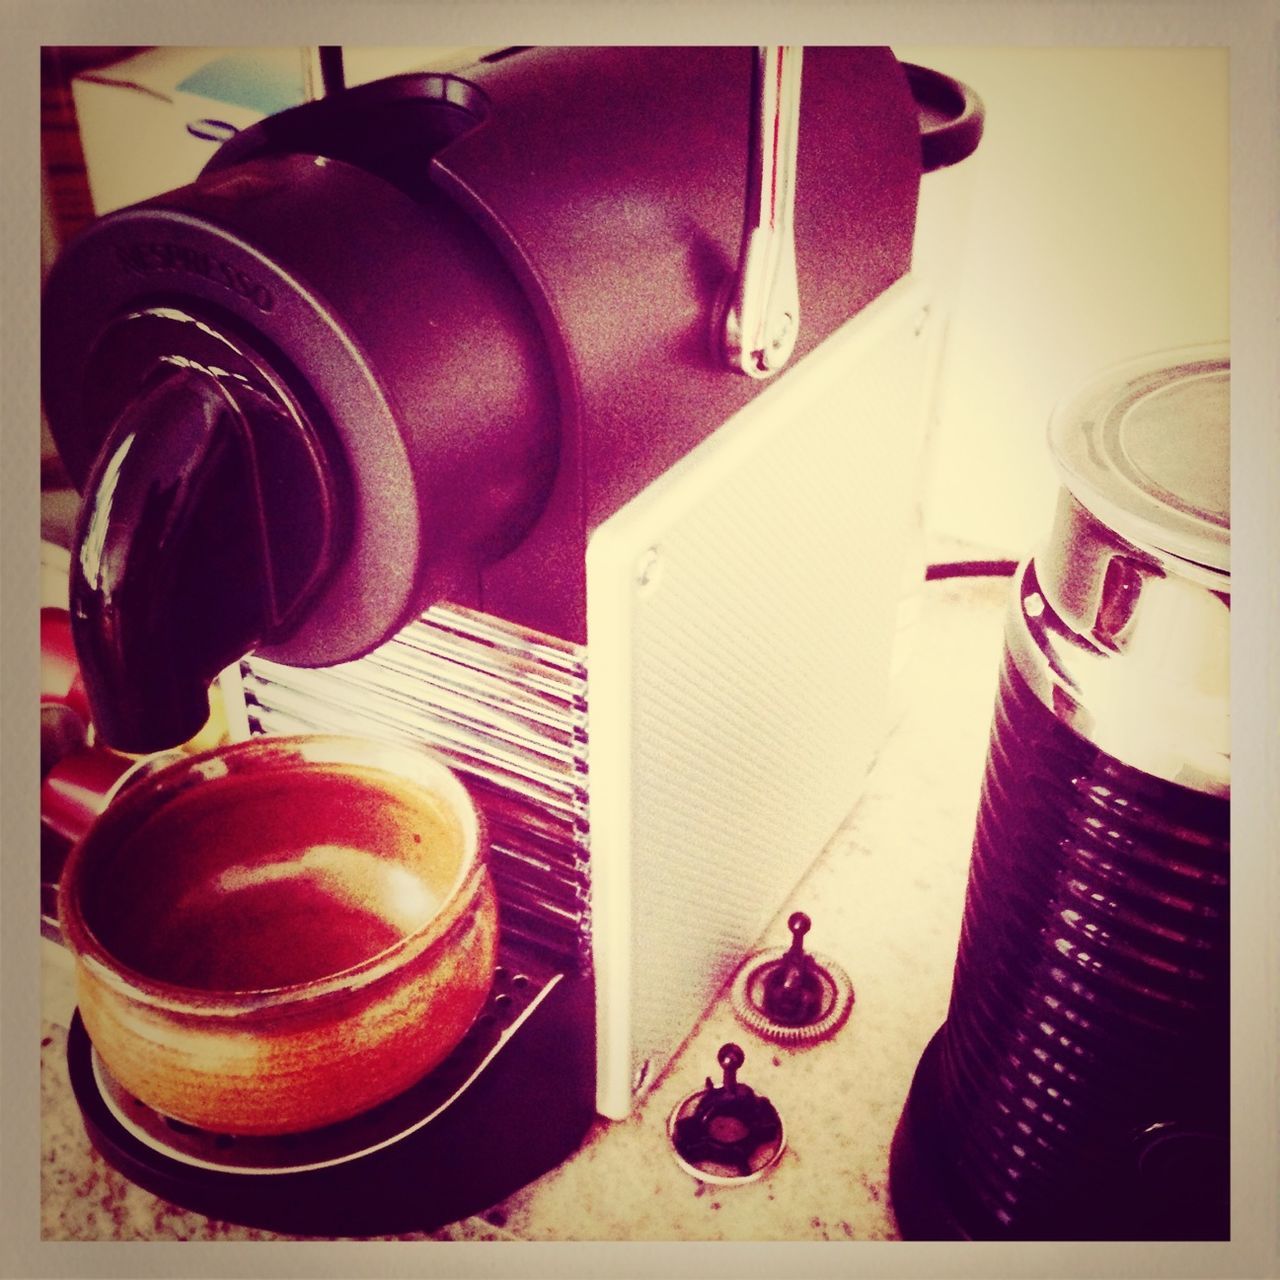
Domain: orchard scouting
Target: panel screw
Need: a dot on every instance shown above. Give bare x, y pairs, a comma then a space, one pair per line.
649, 569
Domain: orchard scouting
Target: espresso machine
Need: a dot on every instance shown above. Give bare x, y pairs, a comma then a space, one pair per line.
564, 415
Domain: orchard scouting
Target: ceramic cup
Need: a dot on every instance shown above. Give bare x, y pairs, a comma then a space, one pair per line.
281, 933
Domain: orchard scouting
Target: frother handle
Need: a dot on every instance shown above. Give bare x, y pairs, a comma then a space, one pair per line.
763, 315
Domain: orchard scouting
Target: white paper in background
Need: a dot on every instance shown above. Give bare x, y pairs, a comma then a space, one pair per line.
151, 122
1098, 229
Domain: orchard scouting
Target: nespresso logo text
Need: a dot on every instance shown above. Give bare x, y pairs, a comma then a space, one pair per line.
145, 258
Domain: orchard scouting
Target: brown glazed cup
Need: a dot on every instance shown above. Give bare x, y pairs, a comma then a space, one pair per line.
281, 933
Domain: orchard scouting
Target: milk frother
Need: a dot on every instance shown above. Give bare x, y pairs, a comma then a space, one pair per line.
1079, 1088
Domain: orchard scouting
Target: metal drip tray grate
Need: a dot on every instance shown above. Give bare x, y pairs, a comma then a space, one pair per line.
516, 993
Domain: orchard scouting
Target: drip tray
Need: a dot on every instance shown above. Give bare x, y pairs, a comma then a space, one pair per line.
515, 994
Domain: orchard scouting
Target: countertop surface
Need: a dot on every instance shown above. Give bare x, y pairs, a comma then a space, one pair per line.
885, 899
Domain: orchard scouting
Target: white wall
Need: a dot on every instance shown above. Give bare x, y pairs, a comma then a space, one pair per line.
1098, 230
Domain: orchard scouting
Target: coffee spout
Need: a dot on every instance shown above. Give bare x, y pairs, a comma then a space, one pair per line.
173, 572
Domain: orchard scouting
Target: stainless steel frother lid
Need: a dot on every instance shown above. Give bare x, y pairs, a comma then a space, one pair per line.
1146, 449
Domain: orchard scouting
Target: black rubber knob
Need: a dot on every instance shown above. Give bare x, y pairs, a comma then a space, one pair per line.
727, 1127
793, 991
791, 995
730, 1059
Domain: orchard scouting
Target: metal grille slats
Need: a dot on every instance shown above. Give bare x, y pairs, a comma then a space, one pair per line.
507, 708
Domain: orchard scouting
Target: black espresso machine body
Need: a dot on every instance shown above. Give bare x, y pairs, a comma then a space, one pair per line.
479, 314
381, 372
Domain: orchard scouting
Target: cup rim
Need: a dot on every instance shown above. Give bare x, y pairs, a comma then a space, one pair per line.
152, 791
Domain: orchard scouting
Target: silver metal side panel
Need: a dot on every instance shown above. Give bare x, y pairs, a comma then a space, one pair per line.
741, 612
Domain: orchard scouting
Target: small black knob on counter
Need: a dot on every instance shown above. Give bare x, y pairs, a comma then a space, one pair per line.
790, 995
727, 1133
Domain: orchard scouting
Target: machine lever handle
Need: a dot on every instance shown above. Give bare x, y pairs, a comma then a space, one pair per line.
763, 315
